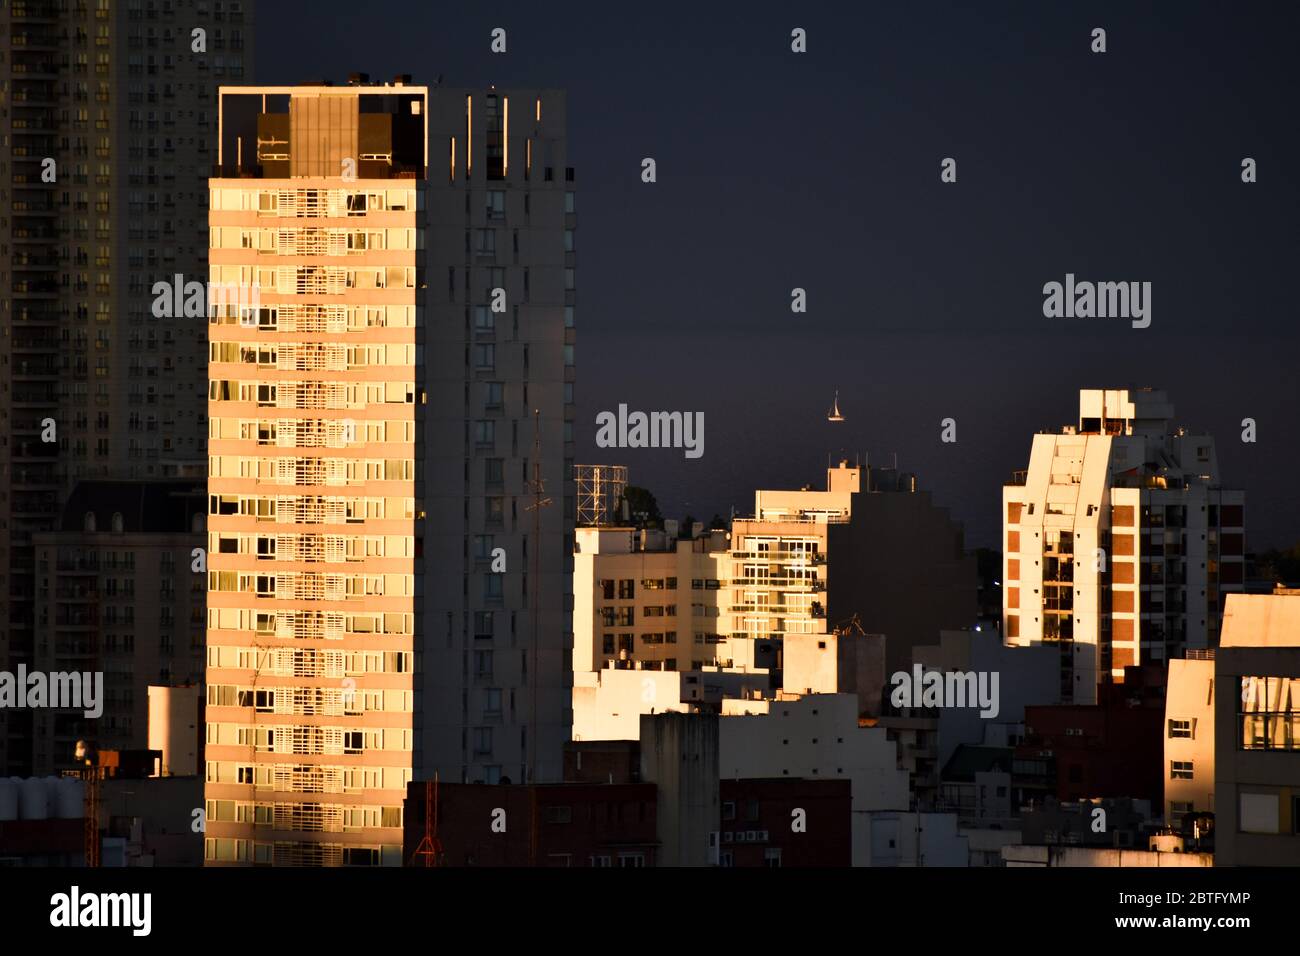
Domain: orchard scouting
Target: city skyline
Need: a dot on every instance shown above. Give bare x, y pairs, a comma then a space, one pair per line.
355, 381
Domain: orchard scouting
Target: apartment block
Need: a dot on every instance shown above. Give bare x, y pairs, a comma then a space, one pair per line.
653, 631
108, 113
1120, 541
1189, 737
494, 693
317, 276
870, 551
117, 593
1111, 748
769, 608
1257, 732
758, 816
647, 600
561, 825
815, 737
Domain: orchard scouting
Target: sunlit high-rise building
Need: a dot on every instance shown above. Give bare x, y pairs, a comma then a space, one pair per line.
1121, 542
317, 280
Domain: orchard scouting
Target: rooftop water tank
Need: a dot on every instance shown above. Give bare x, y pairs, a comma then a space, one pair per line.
51, 793
69, 804
32, 801
8, 798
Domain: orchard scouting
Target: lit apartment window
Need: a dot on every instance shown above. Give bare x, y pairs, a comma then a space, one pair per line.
1266, 717
570, 202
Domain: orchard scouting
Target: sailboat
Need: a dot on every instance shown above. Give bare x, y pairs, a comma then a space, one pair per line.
834, 414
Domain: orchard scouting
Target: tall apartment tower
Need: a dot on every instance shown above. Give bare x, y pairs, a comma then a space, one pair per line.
495, 672
1121, 545
316, 227
107, 113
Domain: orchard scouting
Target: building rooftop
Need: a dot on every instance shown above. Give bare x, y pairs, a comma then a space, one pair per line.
1261, 620
153, 506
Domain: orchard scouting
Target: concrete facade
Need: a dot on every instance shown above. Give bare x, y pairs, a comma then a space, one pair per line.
1257, 732
117, 593
680, 756
1189, 738
1120, 541
495, 679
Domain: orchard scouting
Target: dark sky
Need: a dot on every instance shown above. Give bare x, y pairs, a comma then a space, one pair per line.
821, 171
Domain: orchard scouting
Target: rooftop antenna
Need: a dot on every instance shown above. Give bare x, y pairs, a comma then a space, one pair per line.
429, 849
834, 415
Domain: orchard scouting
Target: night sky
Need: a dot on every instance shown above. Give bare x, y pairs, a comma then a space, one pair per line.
821, 171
